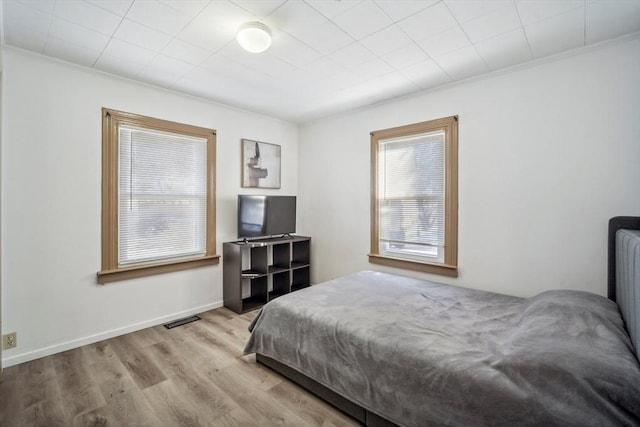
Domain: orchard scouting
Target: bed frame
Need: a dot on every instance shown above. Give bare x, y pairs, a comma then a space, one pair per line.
615, 224
356, 411
369, 418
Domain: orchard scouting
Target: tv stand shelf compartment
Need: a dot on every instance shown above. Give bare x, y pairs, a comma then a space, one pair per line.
257, 271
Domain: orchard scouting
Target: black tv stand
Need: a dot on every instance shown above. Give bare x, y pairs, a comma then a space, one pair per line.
264, 239
256, 271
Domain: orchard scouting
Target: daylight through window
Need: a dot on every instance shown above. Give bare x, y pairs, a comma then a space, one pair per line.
162, 195
158, 196
414, 175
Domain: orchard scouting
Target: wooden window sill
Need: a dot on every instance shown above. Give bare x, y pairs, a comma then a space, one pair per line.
135, 271
425, 267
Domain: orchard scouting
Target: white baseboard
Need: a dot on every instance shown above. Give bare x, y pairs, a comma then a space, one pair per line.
79, 342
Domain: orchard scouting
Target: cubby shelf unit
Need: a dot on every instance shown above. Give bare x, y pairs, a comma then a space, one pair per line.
257, 271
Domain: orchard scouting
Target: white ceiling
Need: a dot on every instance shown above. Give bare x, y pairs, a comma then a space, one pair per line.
327, 56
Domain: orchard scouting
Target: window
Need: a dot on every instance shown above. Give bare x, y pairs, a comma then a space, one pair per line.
158, 196
414, 206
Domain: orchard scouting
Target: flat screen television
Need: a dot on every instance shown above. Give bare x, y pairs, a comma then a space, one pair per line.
261, 216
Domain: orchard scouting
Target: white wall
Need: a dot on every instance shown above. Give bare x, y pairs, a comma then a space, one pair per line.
548, 154
1, 333
51, 174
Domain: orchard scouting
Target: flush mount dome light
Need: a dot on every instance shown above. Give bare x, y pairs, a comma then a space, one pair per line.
254, 37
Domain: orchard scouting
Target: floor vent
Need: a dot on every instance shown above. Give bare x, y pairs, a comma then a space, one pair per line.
181, 322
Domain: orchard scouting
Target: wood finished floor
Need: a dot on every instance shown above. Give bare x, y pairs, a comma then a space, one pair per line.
193, 375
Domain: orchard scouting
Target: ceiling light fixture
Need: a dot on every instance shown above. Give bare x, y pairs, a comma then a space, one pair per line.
254, 37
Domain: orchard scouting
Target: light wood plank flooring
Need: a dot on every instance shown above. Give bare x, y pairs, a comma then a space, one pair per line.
192, 375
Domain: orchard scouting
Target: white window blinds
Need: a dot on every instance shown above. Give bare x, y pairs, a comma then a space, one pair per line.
411, 195
162, 195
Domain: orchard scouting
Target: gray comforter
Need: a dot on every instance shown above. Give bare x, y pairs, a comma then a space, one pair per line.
421, 353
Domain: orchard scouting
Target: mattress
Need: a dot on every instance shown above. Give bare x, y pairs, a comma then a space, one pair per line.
422, 353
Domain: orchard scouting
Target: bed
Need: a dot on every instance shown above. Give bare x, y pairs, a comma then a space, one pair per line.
393, 350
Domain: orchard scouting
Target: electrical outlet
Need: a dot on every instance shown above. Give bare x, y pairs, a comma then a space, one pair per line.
9, 341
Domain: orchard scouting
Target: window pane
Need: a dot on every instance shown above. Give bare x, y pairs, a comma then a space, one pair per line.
412, 221
162, 195
155, 228
411, 195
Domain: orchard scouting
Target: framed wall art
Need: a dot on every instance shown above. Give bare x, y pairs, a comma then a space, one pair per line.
260, 164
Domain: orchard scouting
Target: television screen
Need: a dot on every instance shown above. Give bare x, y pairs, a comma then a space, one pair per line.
266, 215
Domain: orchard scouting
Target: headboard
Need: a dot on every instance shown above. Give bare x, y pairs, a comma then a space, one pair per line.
624, 272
